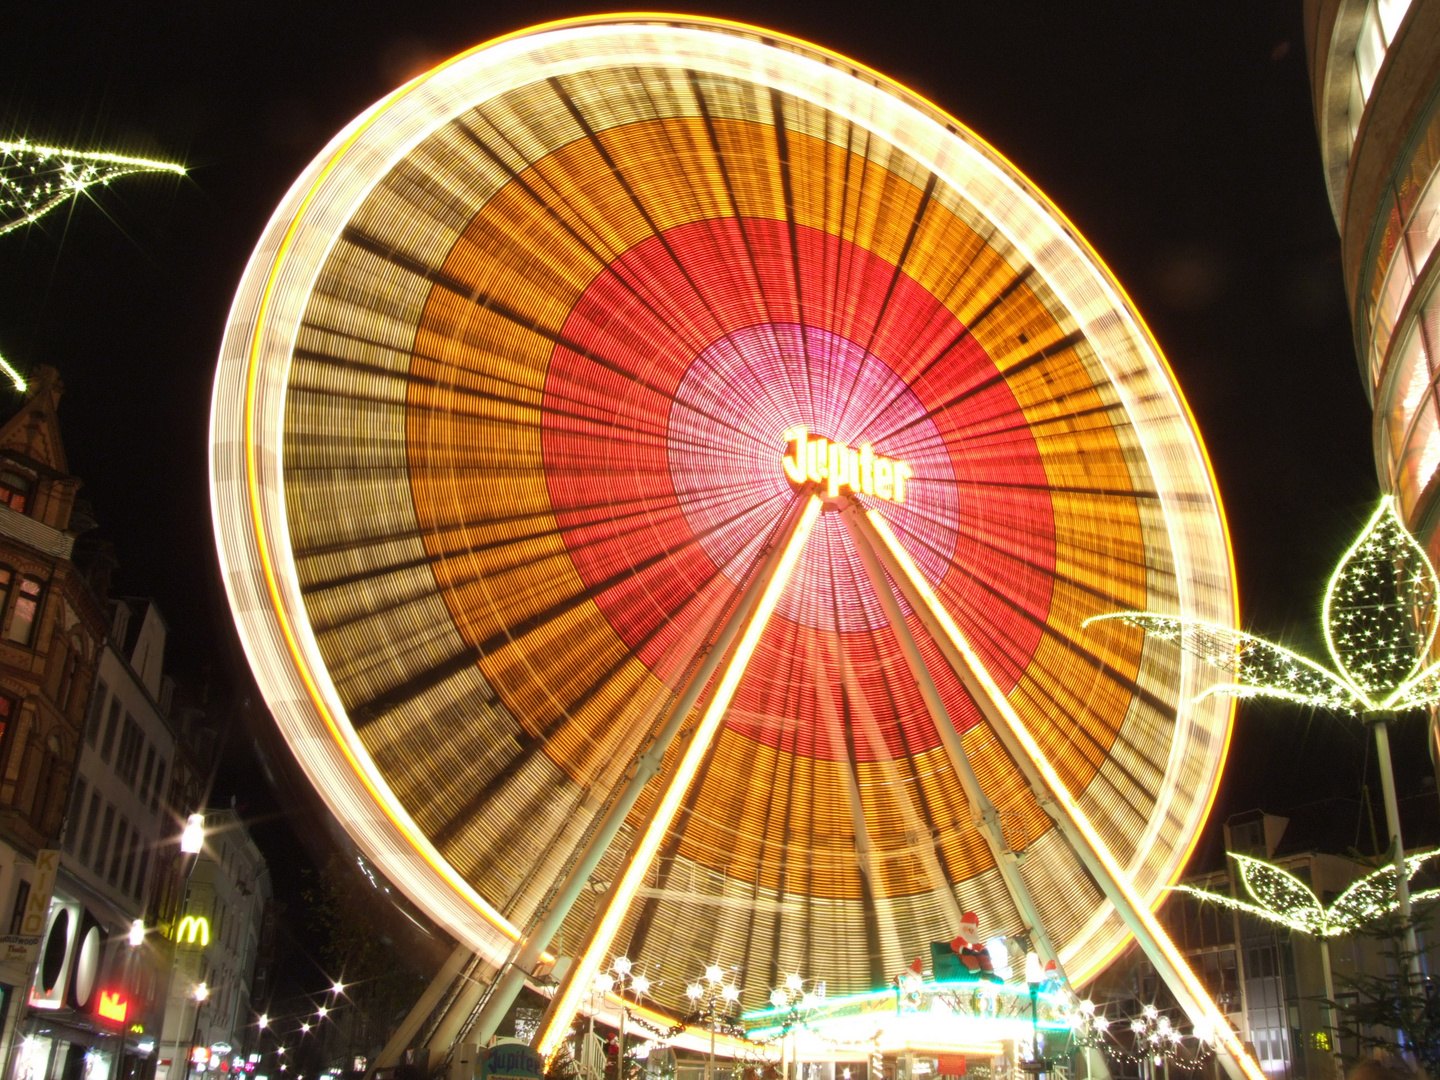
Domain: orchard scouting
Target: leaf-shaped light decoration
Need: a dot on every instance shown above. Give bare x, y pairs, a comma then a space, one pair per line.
1379, 613
36, 179
1279, 890
1380, 616
1374, 894
1261, 668
1281, 897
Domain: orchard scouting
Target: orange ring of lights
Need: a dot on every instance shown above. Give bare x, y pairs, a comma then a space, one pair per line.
496, 442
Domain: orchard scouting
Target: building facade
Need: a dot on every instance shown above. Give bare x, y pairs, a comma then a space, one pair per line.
118, 820
52, 625
217, 941
1375, 81
1269, 981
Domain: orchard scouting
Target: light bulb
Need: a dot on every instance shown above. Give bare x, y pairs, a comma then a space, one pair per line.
777, 997
640, 984
622, 965
695, 991
604, 982
263, 1022
137, 933
193, 838
338, 988
794, 983
730, 993
713, 974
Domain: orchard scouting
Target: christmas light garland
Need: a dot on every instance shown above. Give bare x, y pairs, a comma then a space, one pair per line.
36, 179
1281, 897
1379, 619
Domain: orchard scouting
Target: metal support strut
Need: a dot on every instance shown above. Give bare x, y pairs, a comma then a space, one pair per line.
512, 978
555, 1024
983, 814
1054, 798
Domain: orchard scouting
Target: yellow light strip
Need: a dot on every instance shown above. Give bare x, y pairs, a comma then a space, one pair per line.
577, 983
1119, 880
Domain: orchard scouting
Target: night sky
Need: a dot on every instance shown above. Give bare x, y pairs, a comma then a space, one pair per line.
1178, 137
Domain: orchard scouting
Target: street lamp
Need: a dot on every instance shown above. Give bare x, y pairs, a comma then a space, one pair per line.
192, 839
137, 933
604, 982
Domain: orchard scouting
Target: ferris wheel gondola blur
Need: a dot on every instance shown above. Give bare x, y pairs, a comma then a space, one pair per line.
499, 448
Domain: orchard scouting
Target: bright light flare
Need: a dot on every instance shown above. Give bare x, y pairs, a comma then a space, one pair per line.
192, 839
137, 933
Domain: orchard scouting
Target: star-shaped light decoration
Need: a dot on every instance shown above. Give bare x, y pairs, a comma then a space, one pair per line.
36, 179
1379, 619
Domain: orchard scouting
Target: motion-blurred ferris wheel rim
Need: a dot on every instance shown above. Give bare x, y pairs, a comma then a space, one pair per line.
253, 383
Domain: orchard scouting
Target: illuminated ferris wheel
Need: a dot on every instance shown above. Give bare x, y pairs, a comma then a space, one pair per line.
661, 470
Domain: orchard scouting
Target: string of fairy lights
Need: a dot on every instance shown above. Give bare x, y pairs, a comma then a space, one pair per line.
36, 179
1281, 897
1379, 619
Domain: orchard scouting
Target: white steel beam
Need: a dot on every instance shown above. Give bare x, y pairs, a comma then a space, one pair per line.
1050, 791
528, 951
555, 1024
983, 814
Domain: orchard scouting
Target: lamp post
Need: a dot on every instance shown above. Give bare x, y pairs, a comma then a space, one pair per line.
192, 843
201, 994
710, 986
621, 973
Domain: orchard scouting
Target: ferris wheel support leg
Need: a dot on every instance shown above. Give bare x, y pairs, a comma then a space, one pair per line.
983, 814
512, 979
555, 1024
1055, 799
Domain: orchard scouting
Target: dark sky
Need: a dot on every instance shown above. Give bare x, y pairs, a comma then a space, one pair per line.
1177, 136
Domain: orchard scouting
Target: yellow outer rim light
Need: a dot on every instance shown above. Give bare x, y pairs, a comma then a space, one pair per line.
248, 401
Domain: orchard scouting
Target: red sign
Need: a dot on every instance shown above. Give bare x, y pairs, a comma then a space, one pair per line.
112, 1006
200, 1055
952, 1065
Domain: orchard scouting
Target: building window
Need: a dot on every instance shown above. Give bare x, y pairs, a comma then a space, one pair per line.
145, 776
97, 713
17, 916
141, 876
86, 842
120, 835
159, 784
69, 675
103, 848
15, 490
111, 725
9, 711
129, 874
27, 611
127, 759
46, 786
77, 811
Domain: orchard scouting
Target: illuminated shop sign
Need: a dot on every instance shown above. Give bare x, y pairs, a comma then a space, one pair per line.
811, 459
112, 1006
193, 929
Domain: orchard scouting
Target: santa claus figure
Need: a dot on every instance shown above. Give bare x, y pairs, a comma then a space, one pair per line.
970, 947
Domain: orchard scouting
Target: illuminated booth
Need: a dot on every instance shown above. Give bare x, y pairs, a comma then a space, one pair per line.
660, 471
